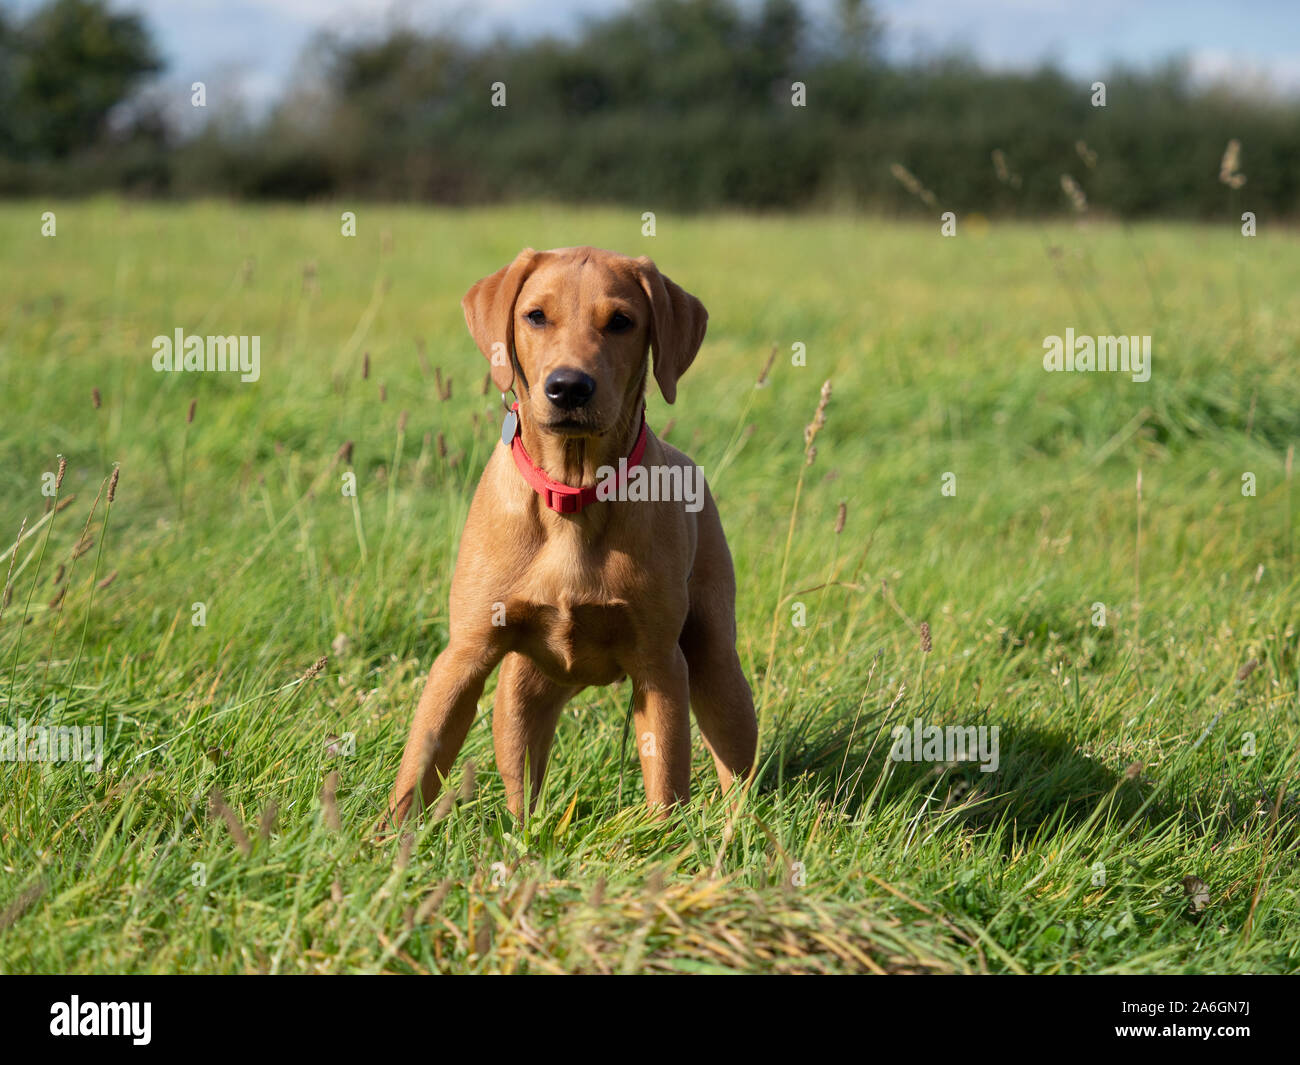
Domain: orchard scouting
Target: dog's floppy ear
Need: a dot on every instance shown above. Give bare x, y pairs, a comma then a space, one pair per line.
677, 324
489, 308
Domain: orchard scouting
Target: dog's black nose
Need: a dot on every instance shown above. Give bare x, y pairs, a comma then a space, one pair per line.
569, 389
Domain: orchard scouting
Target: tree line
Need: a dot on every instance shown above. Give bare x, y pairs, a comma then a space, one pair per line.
690, 104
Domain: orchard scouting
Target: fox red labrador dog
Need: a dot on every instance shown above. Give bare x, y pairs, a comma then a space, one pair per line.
571, 572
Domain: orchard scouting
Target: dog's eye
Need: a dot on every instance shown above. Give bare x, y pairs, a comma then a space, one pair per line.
536, 317
620, 323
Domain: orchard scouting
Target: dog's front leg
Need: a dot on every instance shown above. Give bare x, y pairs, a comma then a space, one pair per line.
442, 720
661, 715
524, 717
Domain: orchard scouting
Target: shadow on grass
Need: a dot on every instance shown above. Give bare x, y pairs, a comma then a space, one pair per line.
1035, 777
1041, 779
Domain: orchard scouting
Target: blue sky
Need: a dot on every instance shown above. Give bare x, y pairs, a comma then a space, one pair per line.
252, 45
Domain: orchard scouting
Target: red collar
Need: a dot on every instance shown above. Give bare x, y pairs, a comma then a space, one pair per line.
563, 498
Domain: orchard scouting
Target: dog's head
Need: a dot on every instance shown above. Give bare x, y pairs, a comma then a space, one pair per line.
581, 323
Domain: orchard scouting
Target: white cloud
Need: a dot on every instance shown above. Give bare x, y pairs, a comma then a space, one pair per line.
1250, 74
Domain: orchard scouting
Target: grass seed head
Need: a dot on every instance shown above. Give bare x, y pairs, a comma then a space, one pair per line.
315, 670
913, 184
329, 800
266, 823
1003, 170
1229, 167
468, 781
815, 426
404, 849
445, 802
1074, 193
432, 901
218, 807
21, 905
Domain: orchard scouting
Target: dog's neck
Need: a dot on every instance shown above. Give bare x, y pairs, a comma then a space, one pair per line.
576, 460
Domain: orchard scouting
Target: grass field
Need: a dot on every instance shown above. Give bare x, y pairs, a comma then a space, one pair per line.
1132, 755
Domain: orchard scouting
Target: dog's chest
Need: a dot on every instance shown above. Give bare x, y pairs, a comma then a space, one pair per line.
582, 611
574, 641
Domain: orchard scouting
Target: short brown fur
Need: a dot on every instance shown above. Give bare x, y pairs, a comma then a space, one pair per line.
644, 590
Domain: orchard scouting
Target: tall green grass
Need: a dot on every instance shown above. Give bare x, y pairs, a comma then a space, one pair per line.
205, 844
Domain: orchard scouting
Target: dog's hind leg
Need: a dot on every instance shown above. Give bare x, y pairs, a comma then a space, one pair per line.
524, 715
720, 694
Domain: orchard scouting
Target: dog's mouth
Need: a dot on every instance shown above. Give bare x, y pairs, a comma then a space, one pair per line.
571, 426
580, 421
